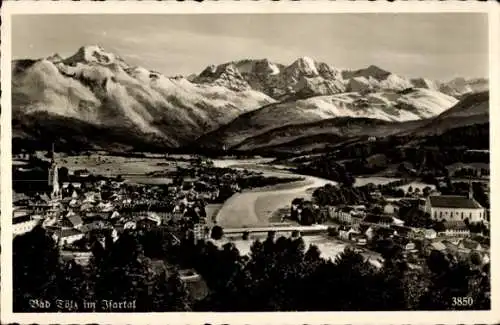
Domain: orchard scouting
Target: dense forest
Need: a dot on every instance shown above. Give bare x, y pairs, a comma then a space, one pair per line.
279, 274
429, 155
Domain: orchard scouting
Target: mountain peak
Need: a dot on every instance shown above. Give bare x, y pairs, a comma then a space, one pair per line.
376, 72
55, 58
226, 75
305, 65
92, 54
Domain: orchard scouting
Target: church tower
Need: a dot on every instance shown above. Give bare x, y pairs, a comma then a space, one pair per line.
51, 169
54, 176
471, 193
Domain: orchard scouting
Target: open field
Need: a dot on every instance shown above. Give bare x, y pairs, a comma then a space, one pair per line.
416, 185
115, 165
223, 163
360, 181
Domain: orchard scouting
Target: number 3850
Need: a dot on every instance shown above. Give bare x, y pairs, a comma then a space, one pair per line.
462, 301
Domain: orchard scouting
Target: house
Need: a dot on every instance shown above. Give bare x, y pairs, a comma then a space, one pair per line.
20, 212
49, 221
359, 208
454, 208
397, 221
331, 211
84, 173
23, 224
344, 215
368, 231
360, 239
76, 220
67, 236
385, 232
470, 245
437, 246
94, 222
430, 233
402, 231
405, 243
115, 215
391, 208
413, 202
92, 197
79, 257
86, 206
76, 185
382, 220
130, 225
356, 221
455, 229
345, 232
148, 222
74, 203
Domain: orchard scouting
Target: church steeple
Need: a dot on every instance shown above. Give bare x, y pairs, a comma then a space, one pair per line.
471, 193
54, 175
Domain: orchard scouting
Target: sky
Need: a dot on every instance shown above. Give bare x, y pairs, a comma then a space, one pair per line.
438, 46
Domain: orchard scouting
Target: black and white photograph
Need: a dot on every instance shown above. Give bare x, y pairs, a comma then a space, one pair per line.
249, 162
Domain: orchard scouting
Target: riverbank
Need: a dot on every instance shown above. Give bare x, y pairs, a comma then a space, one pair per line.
256, 207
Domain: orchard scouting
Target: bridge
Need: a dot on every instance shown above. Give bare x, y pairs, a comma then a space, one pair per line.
265, 229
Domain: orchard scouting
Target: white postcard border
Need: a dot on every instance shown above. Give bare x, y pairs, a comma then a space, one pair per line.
417, 317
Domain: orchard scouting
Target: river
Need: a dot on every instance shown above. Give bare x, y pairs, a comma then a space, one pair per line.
255, 208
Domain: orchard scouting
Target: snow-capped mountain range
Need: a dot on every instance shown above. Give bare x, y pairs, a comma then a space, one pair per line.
97, 89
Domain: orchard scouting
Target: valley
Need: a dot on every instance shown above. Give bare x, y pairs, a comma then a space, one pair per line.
267, 160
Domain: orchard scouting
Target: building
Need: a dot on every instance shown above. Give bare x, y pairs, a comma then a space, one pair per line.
345, 232
67, 236
348, 215
470, 245
391, 208
455, 229
430, 233
53, 177
23, 224
382, 220
368, 231
75, 220
405, 243
436, 246
455, 208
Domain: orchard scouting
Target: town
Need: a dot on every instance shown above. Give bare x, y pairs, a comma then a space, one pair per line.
85, 214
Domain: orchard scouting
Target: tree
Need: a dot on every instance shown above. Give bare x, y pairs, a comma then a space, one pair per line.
333, 232
439, 226
35, 268
126, 274
170, 294
217, 232
63, 174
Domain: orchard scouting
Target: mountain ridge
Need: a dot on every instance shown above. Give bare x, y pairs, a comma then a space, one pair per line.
98, 90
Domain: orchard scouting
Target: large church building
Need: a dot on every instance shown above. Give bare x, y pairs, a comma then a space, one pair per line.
454, 208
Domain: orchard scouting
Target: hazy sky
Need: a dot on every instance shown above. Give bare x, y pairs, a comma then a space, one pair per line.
437, 46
